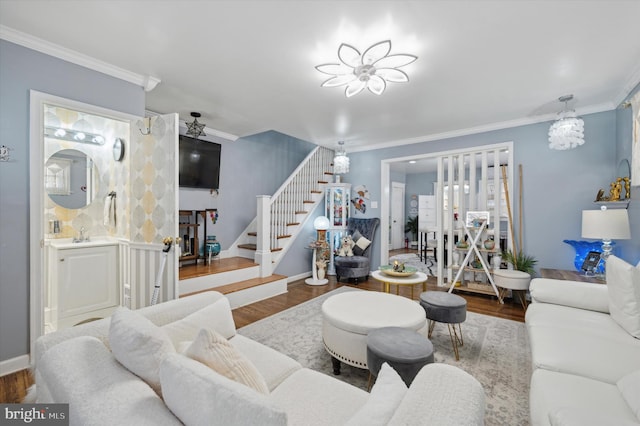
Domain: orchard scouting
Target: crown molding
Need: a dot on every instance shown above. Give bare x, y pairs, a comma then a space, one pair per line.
627, 90
208, 130
31, 42
482, 129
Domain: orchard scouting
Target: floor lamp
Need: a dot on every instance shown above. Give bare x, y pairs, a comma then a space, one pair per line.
606, 225
321, 224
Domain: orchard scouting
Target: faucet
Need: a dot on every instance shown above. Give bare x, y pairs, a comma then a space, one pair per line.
81, 237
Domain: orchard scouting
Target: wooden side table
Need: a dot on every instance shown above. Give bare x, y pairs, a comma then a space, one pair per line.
559, 274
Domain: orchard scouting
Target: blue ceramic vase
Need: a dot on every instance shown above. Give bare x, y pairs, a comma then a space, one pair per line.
212, 246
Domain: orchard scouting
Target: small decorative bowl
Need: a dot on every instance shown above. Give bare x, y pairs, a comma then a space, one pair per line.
388, 270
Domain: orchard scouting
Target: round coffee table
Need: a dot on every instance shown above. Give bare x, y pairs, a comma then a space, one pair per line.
348, 317
412, 280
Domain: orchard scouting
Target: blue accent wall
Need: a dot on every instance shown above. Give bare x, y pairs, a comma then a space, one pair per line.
624, 130
558, 185
22, 70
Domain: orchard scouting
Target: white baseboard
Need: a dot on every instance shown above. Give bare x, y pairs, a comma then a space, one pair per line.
12, 365
298, 277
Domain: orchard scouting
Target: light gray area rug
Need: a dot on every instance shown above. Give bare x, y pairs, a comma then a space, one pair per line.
496, 352
412, 259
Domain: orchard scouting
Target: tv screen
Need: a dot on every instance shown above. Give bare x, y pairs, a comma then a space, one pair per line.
199, 163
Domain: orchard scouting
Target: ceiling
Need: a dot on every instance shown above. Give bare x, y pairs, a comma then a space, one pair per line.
249, 66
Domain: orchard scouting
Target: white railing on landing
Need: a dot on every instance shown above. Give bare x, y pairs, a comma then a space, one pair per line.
280, 217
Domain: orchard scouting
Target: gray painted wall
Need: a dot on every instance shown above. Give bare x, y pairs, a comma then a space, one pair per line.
558, 185
21, 70
251, 166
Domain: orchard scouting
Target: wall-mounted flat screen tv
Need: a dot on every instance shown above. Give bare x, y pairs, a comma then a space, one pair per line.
199, 163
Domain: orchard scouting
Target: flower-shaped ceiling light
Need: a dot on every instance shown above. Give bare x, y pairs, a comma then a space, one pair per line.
371, 69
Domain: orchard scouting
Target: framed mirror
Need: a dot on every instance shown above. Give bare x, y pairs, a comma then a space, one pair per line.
71, 179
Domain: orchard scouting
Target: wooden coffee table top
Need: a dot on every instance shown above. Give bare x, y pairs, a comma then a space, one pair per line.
560, 274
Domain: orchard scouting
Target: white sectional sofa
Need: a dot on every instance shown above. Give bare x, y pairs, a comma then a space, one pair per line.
585, 344
85, 367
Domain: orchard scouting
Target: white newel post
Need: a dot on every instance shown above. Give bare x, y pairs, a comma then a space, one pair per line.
263, 245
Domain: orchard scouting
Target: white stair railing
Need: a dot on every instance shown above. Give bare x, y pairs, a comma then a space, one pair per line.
281, 216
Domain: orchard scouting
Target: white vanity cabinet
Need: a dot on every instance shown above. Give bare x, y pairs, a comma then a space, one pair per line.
83, 283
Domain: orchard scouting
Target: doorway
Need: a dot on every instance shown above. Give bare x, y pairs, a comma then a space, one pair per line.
474, 174
397, 215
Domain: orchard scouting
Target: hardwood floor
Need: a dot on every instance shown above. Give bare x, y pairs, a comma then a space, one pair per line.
13, 386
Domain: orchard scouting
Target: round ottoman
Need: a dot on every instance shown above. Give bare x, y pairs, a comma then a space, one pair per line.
348, 317
446, 308
516, 281
405, 350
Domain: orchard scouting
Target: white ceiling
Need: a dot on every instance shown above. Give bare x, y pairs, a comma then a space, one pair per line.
248, 66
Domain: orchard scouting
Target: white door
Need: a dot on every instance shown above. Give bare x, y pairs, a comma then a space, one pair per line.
397, 215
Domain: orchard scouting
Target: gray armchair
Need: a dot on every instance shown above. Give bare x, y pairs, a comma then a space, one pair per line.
358, 265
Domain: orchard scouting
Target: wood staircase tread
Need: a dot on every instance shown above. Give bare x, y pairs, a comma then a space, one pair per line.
242, 285
316, 192
308, 202
217, 266
293, 224
323, 181
254, 247
283, 236
253, 234
302, 212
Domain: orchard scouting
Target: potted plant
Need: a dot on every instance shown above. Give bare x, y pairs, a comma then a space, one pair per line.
520, 261
412, 227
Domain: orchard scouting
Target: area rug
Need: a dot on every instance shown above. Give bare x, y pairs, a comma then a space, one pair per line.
412, 259
495, 351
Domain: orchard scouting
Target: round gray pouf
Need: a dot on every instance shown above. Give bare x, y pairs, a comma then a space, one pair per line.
447, 308
405, 350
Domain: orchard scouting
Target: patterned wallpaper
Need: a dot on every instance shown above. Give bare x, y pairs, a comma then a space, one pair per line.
144, 181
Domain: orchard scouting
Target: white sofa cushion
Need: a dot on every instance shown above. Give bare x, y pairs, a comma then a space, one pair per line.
593, 297
272, 365
552, 390
100, 391
139, 345
197, 395
311, 398
623, 281
582, 342
629, 386
216, 316
582, 417
214, 351
441, 395
385, 397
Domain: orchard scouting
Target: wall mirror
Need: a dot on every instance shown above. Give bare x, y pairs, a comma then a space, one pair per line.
71, 179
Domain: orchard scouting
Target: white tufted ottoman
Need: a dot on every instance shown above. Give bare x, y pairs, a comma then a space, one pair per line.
348, 317
516, 281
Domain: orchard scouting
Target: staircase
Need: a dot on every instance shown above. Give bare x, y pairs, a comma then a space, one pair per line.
266, 240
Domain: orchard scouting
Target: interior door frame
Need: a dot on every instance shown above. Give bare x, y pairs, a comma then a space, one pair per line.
36, 209
402, 212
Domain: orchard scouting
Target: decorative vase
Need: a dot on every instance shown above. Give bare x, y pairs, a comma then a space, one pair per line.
489, 244
321, 273
212, 246
582, 248
497, 261
456, 258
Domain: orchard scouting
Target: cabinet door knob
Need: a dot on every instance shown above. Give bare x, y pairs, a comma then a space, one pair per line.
62, 260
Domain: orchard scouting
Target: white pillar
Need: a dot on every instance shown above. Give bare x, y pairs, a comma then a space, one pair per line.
263, 245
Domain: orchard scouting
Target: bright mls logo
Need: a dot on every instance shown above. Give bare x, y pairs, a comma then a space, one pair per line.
36, 414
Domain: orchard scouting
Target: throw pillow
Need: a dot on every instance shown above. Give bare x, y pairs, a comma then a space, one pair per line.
623, 284
216, 316
139, 345
386, 395
361, 243
214, 351
629, 387
197, 395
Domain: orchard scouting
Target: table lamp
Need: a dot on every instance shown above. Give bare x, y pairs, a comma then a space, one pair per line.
606, 225
321, 225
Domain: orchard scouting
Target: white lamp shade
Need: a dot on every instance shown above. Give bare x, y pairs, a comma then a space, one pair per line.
321, 223
612, 224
